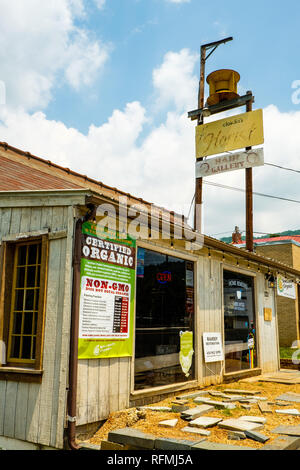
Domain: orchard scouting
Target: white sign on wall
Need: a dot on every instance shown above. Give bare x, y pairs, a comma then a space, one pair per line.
230, 162
286, 288
213, 349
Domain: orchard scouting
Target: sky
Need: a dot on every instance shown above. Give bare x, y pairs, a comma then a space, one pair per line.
104, 87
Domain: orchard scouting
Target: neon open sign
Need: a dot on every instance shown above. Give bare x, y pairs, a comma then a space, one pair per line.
164, 277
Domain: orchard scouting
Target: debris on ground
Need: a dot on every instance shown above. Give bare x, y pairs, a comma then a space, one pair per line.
262, 415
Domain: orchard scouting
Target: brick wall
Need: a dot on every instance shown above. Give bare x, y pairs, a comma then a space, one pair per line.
287, 309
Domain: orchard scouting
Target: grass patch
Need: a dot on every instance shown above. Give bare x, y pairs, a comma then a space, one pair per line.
286, 353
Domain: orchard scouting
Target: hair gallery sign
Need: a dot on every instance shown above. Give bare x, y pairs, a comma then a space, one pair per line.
230, 162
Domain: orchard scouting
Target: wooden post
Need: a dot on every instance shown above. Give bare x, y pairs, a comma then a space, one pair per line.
198, 188
249, 199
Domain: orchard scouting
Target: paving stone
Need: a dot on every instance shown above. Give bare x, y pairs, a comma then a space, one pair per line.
89, 446
288, 430
189, 396
216, 404
194, 413
236, 435
166, 443
264, 407
155, 408
254, 419
242, 392
207, 445
169, 423
292, 412
290, 396
239, 425
201, 432
179, 402
283, 443
132, 437
179, 408
257, 436
204, 422
246, 407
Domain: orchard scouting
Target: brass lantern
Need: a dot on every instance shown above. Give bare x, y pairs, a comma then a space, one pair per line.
222, 86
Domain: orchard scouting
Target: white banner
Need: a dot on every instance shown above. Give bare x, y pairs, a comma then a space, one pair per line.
286, 288
230, 162
212, 344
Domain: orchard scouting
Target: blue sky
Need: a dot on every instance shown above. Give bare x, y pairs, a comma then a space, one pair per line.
104, 87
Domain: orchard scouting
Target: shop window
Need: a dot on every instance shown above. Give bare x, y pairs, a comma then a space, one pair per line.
23, 302
239, 322
164, 318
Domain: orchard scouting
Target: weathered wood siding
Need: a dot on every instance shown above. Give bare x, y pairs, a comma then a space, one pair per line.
30, 411
267, 330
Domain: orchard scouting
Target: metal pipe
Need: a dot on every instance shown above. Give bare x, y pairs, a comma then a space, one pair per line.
73, 362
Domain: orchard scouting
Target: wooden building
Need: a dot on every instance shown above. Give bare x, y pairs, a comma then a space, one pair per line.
48, 387
285, 249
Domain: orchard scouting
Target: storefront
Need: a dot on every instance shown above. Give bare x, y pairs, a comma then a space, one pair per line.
239, 322
164, 318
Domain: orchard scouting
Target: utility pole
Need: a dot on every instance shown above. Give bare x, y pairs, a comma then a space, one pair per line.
203, 58
249, 196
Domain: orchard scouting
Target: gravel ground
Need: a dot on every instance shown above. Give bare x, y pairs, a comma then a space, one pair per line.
148, 421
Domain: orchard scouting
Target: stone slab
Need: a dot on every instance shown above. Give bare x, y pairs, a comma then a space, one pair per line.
168, 423
264, 407
239, 425
291, 411
283, 443
254, 419
132, 437
190, 396
290, 396
288, 430
194, 413
242, 392
246, 407
155, 408
204, 422
166, 443
201, 432
107, 445
207, 445
216, 404
179, 408
179, 402
257, 436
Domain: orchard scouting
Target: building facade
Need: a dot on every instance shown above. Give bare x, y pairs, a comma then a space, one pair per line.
90, 325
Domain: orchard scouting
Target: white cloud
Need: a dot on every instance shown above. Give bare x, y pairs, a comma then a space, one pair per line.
157, 162
174, 81
100, 4
41, 46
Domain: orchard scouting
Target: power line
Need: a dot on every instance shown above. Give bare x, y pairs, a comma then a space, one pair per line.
211, 183
282, 167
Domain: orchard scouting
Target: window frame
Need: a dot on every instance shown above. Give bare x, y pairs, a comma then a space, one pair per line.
30, 368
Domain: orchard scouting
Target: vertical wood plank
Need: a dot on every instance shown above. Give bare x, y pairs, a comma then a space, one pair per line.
82, 392
113, 384
21, 411
10, 409
93, 384
3, 385
124, 383
103, 389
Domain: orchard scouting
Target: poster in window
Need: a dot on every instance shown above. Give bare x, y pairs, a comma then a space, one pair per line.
106, 295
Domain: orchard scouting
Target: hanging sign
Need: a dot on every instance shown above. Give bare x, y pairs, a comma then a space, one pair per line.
213, 350
232, 133
106, 295
285, 288
229, 162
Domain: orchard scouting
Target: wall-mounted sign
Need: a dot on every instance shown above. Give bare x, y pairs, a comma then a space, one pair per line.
285, 288
230, 162
267, 314
232, 133
186, 351
164, 277
106, 295
213, 349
